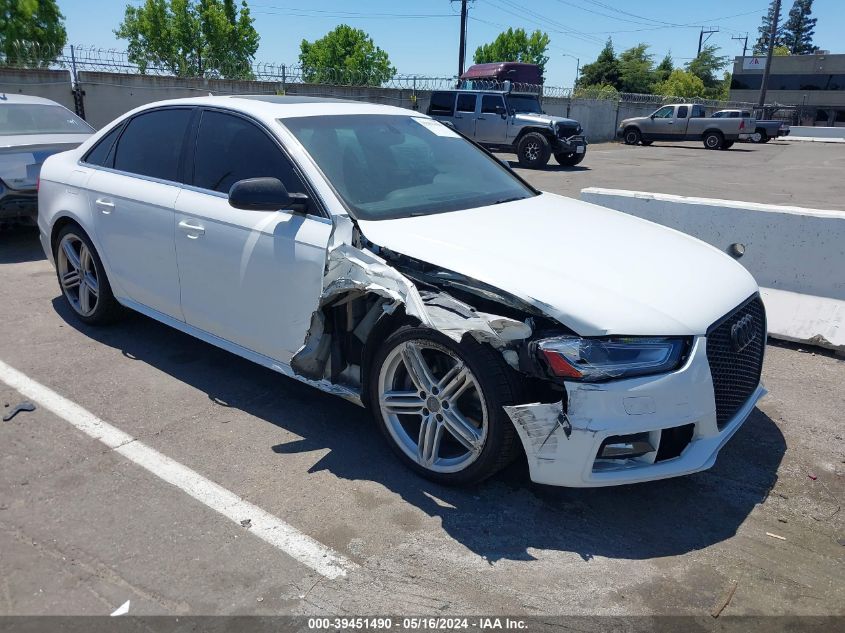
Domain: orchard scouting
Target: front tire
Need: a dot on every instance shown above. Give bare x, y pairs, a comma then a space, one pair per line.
82, 278
533, 150
713, 140
439, 405
569, 159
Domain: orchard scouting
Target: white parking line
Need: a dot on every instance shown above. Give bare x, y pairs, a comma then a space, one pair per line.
264, 525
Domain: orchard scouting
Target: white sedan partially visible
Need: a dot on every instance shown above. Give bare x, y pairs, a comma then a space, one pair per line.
376, 254
31, 129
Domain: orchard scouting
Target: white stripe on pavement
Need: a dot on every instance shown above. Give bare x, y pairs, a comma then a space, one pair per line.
271, 529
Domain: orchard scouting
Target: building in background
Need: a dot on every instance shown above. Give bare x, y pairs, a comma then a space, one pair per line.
813, 84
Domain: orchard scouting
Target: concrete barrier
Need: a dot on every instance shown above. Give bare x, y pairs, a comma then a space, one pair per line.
37, 82
796, 255
807, 131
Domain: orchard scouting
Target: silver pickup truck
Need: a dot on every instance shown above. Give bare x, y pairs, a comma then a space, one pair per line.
502, 120
762, 132
684, 122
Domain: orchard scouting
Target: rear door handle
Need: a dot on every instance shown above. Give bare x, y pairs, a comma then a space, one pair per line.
106, 206
193, 230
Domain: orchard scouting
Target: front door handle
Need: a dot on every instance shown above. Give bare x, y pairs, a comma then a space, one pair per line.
106, 206
193, 230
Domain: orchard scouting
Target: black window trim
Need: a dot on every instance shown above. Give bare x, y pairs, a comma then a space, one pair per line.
474, 95
125, 123
454, 94
320, 208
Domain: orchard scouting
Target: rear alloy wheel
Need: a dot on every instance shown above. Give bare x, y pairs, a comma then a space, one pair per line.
713, 140
82, 278
439, 404
533, 150
632, 136
569, 159
760, 136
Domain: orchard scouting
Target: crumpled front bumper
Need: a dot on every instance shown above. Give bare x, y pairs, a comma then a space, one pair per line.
562, 445
571, 144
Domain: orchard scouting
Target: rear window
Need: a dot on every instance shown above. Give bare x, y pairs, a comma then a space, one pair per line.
442, 103
152, 144
33, 118
682, 112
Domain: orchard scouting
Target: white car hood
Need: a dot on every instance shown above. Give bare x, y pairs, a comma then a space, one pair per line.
595, 270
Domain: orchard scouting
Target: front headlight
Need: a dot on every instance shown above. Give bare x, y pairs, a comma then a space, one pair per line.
594, 359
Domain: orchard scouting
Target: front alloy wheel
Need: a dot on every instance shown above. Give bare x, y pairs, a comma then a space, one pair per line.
437, 408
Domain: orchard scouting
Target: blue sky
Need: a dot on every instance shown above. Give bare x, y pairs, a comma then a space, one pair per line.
427, 44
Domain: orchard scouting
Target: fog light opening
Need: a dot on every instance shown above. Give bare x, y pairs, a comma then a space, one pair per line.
625, 446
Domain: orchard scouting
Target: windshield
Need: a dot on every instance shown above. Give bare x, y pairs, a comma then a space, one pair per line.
387, 166
524, 103
33, 118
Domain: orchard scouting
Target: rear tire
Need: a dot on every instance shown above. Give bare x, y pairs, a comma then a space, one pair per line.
632, 136
408, 405
82, 278
713, 140
533, 150
569, 159
763, 136
727, 145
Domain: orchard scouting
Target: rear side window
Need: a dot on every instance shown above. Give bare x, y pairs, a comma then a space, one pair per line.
489, 103
466, 103
152, 144
101, 154
230, 148
442, 103
698, 112
682, 112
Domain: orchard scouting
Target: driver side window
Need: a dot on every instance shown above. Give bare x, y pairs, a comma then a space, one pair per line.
489, 103
665, 112
230, 148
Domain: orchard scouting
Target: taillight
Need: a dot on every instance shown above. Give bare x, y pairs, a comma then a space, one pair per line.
742, 125
38, 183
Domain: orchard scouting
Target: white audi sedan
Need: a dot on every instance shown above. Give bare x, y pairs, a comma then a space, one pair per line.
376, 254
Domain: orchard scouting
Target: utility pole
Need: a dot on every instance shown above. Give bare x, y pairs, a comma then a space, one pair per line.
773, 29
744, 42
703, 40
462, 50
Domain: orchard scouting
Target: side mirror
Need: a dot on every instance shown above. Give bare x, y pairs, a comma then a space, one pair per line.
500, 110
266, 194
651, 117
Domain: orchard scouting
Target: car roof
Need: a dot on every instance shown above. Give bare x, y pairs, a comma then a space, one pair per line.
271, 107
6, 97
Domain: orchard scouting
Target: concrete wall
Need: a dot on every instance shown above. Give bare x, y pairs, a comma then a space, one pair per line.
50, 84
817, 132
108, 95
796, 255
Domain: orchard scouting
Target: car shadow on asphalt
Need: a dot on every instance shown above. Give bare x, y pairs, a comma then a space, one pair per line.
505, 517
19, 244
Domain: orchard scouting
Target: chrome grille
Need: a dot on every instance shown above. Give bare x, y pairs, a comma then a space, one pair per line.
735, 347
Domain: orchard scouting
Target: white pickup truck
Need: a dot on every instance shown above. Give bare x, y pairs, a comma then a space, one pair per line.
684, 122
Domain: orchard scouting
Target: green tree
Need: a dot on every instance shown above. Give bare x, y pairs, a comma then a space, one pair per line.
680, 83
636, 69
596, 91
761, 46
515, 45
706, 67
603, 71
781, 51
32, 32
799, 27
664, 68
345, 55
191, 38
